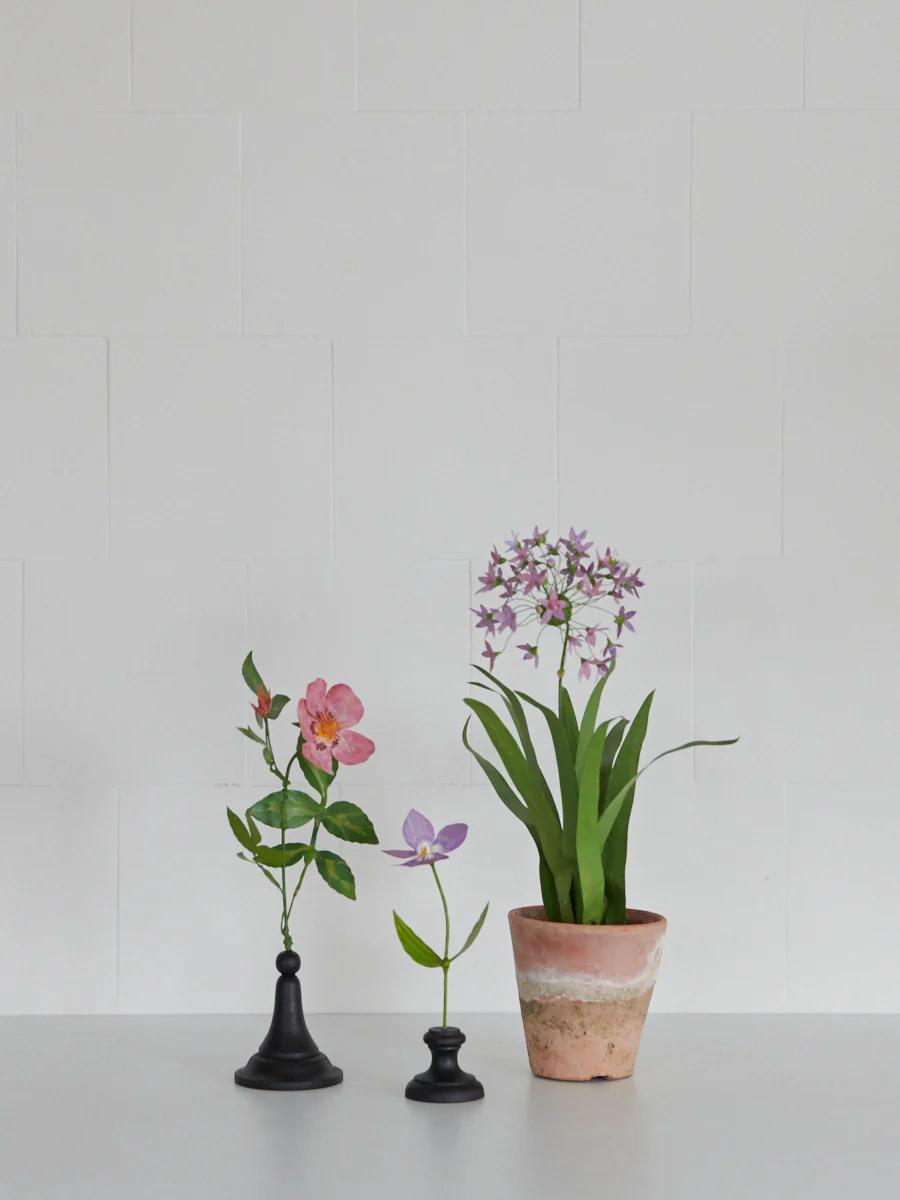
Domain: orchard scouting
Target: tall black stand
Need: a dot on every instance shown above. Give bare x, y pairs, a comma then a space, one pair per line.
444, 1082
288, 1059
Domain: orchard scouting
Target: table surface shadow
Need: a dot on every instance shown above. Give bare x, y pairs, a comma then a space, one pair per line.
725, 1107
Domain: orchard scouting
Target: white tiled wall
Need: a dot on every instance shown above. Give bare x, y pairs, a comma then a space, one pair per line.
302, 306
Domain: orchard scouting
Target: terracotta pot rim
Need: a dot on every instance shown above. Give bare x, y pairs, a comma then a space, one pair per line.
535, 912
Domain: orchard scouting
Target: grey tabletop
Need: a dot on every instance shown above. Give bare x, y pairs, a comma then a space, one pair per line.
720, 1107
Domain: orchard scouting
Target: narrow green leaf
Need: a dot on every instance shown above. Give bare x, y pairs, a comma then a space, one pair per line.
336, 873
473, 933
520, 722
278, 703
568, 718
314, 776
690, 746
614, 736
565, 767
589, 854
589, 719
500, 785
417, 950
252, 677
278, 856
623, 775
344, 820
240, 830
248, 733
285, 810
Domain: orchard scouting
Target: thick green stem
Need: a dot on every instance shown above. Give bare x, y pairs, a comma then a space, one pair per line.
562, 662
446, 963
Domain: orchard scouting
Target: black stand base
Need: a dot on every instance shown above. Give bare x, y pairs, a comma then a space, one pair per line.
288, 1059
444, 1082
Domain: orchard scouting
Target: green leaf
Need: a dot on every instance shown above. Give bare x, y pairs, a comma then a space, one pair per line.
252, 677
623, 775
254, 829
240, 831
520, 721
248, 733
344, 820
268, 756
281, 856
568, 718
285, 810
417, 950
589, 719
588, 853
473, 933
278, 703
336, 873
565, 767
314, 776
500, 785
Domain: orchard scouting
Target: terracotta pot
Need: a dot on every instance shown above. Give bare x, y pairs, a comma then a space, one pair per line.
584, 991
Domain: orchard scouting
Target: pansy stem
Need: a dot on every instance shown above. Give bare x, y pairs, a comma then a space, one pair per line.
446, 963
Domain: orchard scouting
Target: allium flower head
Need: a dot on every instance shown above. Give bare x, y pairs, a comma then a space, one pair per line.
566, 584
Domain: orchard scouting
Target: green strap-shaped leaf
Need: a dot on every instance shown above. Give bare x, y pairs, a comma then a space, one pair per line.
568, 718
624, 774
499, 784
588, 853
252, 677
344, 820
240, 830
548, 886
473, 933
589, 719
520, 721
285, 810
418, 950
278, 703
336, 873
281, 856
565, 766
614, 736
248, 733
546, 818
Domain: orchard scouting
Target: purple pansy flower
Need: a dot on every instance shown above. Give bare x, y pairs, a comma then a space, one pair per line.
426, 847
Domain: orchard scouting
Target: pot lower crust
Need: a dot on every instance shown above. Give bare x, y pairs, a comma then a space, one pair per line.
583, 1039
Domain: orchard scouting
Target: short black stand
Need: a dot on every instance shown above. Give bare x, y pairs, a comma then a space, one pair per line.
288, 1059
444, 1082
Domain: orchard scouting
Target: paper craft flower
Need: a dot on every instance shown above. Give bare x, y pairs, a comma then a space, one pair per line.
326, 718
424, 846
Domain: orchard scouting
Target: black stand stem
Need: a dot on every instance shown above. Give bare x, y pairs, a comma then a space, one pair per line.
444, 1082
288, 1059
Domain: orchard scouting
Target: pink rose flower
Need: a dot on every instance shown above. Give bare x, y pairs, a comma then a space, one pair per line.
326, 718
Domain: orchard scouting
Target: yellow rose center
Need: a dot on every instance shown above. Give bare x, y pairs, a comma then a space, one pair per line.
327, 727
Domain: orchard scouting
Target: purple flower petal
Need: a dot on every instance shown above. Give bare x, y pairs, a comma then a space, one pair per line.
451, 836
414, 862
400, 853
417, 829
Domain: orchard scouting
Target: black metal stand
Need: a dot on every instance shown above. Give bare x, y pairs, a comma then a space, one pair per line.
444, 1082
288, 1059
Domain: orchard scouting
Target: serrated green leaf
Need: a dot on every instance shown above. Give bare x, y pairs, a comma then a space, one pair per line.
418, 950
285, 810
336, 873
281, 856
252, 677
473, 932
315, 777
248, 733
345, 820
240, 830
278, 703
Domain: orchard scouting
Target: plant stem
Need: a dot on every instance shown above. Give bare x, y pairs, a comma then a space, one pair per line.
312, 843
562, 662
446, 962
